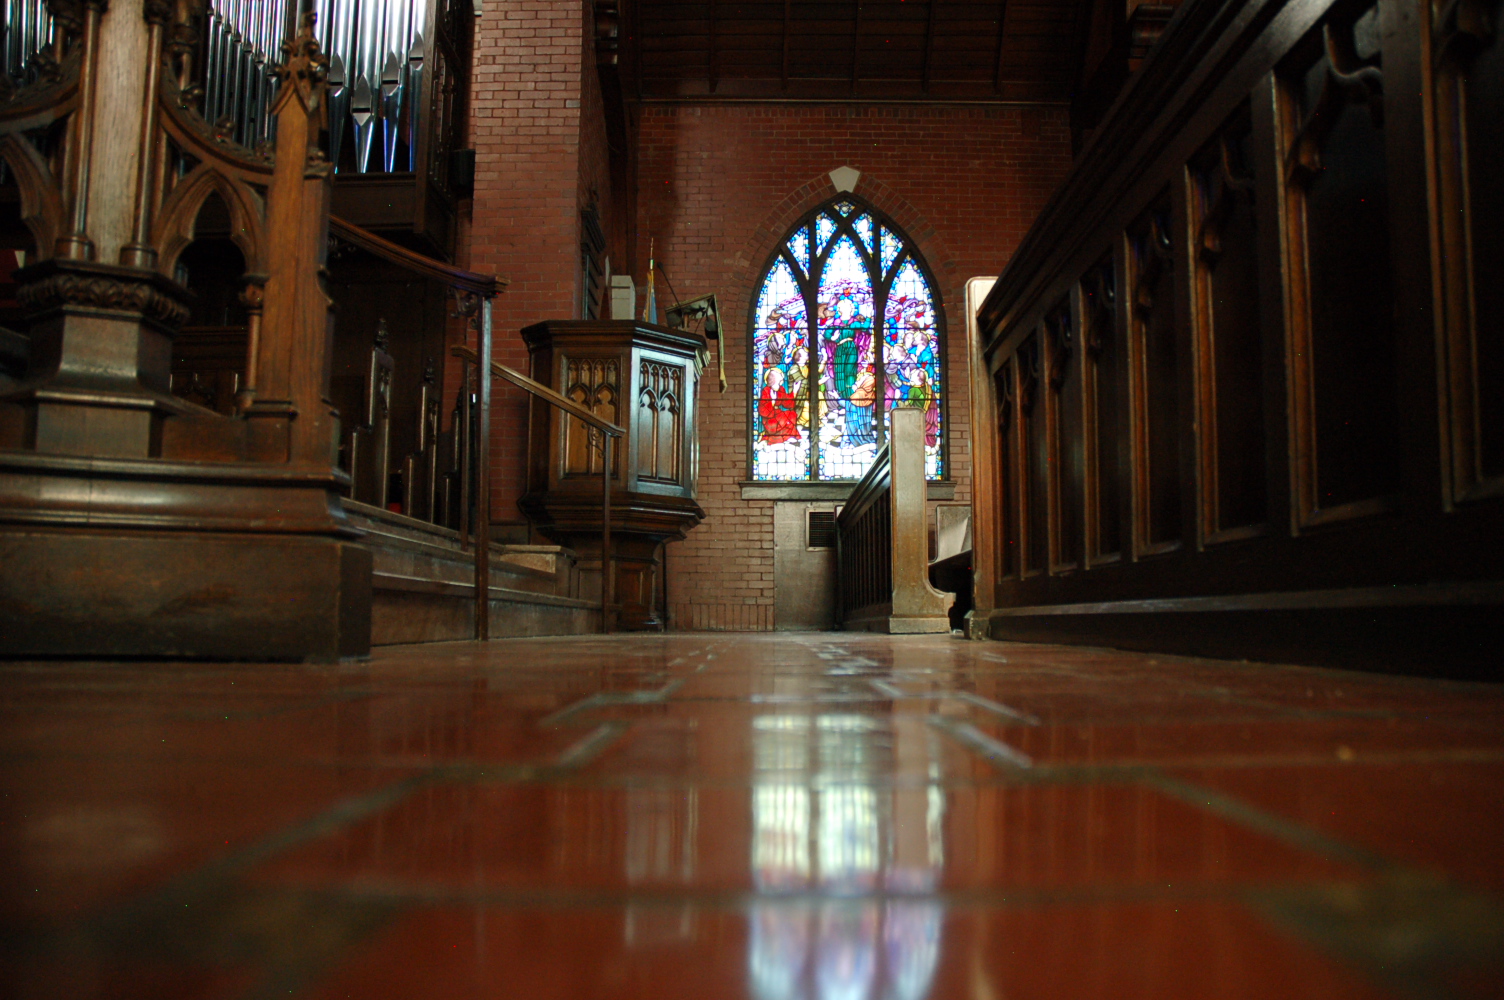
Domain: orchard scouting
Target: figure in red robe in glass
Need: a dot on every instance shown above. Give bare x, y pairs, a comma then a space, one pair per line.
779, 410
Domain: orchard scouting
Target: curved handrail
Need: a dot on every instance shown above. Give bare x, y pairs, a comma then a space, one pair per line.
455, 277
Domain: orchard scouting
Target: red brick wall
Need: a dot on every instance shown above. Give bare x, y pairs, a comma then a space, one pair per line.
595, 153
718, 188
526, 127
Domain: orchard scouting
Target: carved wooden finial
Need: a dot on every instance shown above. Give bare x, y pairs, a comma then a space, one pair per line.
304, 66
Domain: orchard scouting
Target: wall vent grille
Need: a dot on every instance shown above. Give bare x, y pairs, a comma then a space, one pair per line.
820, 529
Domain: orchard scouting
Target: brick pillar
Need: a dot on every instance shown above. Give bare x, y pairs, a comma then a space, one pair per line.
525, 125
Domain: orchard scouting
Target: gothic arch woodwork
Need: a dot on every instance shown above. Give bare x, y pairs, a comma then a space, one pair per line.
179, 213
41, 199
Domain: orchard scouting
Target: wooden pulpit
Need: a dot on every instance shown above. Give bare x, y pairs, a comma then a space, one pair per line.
644, 378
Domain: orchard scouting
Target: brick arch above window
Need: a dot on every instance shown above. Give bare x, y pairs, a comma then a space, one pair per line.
808, 197
845, 325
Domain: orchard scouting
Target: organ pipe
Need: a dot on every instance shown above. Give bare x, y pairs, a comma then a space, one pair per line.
28, 33
377, 70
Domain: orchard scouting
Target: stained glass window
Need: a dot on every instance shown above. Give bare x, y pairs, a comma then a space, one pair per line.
799, 248
891, 247
845, 329
825, 228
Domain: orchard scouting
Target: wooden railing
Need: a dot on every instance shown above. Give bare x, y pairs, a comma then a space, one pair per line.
601, 432
882, 541
1244, 372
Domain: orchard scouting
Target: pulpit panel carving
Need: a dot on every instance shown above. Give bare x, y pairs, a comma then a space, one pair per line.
593, 383
660, 422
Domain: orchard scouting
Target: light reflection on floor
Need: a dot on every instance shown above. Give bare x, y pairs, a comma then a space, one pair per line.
847, 839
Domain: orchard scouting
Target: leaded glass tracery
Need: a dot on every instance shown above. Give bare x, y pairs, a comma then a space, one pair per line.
843, 332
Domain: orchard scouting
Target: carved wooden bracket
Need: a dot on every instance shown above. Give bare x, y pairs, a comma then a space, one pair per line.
1349, 79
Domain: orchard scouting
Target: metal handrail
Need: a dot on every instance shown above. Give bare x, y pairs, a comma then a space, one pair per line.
607, 431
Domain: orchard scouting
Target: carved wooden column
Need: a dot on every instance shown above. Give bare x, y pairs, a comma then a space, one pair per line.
643, 378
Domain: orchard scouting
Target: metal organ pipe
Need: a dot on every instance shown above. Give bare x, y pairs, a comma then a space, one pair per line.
381, 54
377, 76
28, 31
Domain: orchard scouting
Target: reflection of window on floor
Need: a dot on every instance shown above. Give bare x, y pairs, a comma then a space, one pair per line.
661, 834
820, 825
780, 839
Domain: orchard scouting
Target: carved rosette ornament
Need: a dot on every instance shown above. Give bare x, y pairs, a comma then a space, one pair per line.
55, 284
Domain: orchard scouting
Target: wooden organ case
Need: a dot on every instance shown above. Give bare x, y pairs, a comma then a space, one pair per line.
643, 378
174, 397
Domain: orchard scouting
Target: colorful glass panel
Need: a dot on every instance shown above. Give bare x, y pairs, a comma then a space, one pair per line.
780, 352
863, 227
825, 228
823, 385
848, 436
799, 248
892, 246
911, 357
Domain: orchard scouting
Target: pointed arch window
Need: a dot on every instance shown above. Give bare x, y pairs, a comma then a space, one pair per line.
845, 327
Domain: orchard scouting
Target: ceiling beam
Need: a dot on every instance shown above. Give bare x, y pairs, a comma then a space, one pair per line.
787, 19
929, 45
1002, 27
856, 46
713, 58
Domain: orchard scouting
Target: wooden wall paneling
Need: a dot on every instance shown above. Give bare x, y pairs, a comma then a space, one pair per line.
1006, 489
1154, 381
1420, 463
1034, 407
1326, 338
1267, 158
1343, 333
1228, 329
1125, 443
1100, 380
1461, 49
1187, 353
1065, 435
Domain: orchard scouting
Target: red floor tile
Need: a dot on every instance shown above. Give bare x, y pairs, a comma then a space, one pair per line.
789, 837
75, 836
1443, 817
851, 950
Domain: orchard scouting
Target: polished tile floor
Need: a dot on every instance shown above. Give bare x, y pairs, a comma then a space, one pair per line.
811, 817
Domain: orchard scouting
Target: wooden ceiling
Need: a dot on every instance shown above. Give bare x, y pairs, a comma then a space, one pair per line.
924, 50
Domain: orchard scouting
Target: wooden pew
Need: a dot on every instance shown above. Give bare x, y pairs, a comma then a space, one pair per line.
882, 541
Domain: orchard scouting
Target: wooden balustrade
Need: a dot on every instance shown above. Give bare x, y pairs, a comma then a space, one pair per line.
882, 541
1244, 373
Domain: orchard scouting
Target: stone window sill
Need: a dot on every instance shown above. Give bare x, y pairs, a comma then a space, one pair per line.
943, 489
